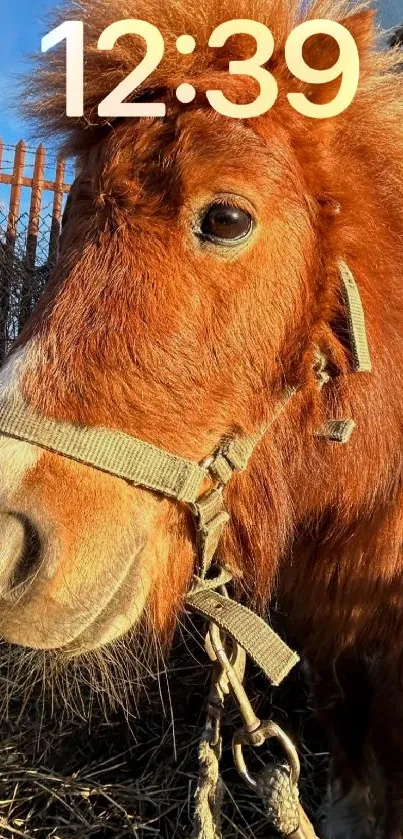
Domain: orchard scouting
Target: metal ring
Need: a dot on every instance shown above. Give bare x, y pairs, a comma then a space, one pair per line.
206, 462
266, 731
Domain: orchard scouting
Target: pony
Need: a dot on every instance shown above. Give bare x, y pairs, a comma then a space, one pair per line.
197, 276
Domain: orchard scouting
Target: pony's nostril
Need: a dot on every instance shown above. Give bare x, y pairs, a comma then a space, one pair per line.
20, 550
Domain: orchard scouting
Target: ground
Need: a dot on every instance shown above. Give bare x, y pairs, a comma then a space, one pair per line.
66, 774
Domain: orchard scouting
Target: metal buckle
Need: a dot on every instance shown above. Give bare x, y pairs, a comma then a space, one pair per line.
257, 738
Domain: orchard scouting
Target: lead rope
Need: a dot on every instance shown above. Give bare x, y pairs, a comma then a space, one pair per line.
210, 788
277, 785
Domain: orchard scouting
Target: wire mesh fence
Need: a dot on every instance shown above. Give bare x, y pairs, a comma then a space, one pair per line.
33, 188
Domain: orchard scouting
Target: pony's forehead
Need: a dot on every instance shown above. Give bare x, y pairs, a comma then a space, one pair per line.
185, 157
189, 143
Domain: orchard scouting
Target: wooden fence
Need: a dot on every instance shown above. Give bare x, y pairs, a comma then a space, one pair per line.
37, 184
21, 279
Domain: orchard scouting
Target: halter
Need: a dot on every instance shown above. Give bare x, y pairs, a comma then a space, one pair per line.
152, 468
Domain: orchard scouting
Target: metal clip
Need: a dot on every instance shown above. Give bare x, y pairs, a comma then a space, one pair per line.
220, 684
234, 668
277, 785
213, 722
266, 731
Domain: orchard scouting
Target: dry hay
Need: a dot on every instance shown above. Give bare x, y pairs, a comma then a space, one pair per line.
82, 765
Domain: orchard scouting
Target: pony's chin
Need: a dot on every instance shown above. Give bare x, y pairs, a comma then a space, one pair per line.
103, 632
108, 627
120, 616
43, 626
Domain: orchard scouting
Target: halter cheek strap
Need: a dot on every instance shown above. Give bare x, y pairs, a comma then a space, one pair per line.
360, 355
155, 469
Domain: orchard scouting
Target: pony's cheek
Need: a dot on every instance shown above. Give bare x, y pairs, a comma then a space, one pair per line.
99, 551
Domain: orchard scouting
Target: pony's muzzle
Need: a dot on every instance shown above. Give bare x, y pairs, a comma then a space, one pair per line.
20, 550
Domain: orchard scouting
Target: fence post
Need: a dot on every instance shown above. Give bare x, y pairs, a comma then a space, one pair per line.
27, 292
56, 212
36, 205
9, 247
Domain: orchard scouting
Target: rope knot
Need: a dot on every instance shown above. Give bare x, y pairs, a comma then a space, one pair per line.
280, 798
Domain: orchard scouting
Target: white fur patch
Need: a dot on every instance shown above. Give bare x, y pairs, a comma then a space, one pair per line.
11, 371
15, 456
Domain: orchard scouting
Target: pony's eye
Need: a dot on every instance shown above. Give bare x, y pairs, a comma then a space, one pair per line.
226, 224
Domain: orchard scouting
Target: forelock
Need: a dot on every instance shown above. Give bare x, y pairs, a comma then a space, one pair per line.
44, 89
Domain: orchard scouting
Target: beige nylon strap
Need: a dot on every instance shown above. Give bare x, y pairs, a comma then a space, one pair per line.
339, 431
209, 512
210, 516
221, 578
250, 631
361, 358
127, 457
110, 451
143, 464
234, 454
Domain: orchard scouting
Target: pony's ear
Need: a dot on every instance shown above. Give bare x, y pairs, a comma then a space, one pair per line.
363, 29
321, 51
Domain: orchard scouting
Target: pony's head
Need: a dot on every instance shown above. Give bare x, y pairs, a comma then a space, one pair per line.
196, 277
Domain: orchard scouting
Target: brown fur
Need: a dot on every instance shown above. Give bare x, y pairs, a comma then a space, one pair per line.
138, 331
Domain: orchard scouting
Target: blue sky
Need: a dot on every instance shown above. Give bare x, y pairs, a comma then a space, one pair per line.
21, 29
391, 12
